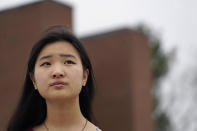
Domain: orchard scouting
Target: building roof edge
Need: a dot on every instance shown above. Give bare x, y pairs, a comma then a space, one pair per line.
32, 4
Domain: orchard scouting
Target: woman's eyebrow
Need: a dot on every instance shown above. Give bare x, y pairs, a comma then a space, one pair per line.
61, 55
67, 55
45, 57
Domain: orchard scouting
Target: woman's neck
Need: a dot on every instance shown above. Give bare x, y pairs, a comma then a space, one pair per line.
64, 115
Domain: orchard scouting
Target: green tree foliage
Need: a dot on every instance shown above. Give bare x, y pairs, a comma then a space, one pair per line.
160, 67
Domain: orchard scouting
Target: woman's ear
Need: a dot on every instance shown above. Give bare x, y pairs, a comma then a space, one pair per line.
85, 76
33, 80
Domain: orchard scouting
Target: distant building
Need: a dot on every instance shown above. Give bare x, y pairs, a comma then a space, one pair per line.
120, 58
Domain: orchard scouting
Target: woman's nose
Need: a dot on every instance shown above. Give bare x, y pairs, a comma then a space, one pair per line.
58, 72
58, 75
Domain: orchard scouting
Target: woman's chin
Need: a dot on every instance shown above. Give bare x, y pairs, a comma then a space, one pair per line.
61, 97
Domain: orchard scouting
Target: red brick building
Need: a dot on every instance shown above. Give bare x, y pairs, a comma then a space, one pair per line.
120, 58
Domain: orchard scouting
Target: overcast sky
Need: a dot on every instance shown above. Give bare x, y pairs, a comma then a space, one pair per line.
174, 20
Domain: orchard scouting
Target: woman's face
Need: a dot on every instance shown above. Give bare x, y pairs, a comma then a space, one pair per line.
59, 72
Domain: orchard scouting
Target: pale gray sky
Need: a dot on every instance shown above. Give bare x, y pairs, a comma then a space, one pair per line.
176, 22
175, 19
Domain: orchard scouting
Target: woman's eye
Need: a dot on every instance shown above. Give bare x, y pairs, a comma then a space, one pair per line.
45, 64
69, 62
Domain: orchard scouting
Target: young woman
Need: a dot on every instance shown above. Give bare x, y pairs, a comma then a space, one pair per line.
58, 87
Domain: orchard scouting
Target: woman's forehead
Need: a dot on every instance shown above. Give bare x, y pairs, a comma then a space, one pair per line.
60, 48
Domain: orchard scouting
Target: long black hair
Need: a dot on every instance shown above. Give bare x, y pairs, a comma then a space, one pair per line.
31, 110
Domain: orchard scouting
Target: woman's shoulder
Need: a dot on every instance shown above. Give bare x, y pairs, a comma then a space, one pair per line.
97, 129
92, 127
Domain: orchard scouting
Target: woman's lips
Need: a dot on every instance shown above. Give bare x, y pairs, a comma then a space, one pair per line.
58, 84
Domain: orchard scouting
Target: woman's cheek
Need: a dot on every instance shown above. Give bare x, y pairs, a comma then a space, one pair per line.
41, 79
